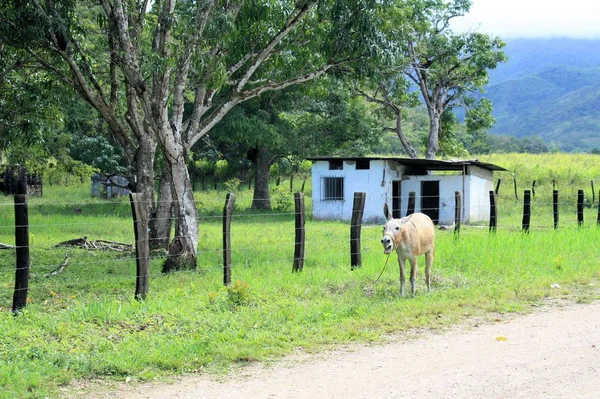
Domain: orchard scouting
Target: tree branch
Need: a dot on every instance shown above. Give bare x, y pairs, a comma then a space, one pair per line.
218, 114
290, 24
51, 68
202, 15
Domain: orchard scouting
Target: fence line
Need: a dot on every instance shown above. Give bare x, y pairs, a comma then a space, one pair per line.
142, 256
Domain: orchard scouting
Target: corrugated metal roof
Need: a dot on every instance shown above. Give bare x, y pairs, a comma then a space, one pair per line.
426, 164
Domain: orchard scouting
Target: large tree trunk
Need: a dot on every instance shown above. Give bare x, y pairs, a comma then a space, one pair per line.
184, 247
144, 170
261, 162
400, 133
161, 216
434, 134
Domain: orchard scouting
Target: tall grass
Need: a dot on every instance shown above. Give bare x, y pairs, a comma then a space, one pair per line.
84, 323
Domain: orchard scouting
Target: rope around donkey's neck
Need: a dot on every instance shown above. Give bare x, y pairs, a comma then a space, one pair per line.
382, 270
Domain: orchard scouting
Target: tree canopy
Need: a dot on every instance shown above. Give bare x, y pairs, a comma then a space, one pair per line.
163, 74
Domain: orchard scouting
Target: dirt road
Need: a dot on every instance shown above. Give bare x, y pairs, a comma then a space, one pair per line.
553, 353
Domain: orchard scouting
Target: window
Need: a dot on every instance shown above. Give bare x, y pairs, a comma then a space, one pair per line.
332, 189
363, 164
336, 164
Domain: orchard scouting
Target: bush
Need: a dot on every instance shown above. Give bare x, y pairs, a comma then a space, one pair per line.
281, 198
238, 294
233, 185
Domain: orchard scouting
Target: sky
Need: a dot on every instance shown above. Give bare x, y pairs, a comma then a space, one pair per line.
533, 18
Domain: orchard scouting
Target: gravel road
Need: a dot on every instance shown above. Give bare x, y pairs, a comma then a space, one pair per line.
552, 353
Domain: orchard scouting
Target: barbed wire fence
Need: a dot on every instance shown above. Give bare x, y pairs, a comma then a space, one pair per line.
221, 257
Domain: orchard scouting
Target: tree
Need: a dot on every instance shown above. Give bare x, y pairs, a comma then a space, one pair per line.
164, 73
442, 66
393, 95
34, 119
445, 66
317, 119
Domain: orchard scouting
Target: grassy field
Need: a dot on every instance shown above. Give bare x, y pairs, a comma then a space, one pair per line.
83, 324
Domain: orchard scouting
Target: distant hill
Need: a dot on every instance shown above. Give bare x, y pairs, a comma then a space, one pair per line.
550, 88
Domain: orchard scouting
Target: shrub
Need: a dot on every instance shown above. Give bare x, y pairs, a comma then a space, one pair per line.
281, 199
239, 293
233, 185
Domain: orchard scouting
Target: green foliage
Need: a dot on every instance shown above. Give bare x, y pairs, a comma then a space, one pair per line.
507, 144
99, 153
239, 293
281, 199
83, 324
222, 169
305, 167
204, 167
449, 145
547, 89
568, 170
232, 185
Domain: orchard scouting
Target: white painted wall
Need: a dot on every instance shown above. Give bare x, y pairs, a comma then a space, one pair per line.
377, 183
478, 200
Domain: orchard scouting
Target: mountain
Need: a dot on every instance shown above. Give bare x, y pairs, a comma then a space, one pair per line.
550, 88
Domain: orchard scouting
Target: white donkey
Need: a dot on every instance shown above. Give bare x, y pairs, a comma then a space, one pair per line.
410, 236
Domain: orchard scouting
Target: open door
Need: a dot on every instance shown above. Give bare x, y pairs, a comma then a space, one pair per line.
396, 204
430, 200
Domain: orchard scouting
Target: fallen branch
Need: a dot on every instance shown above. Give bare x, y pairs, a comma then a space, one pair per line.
97, 244
76, 242
115, 246
60, 268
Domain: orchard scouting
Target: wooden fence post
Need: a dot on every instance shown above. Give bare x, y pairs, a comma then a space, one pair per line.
593, 193
300, 232
515, 184
598, 217
358, 208
227, 212
580, 200
533, 189
493, 218
526, 211
555, 207
498, 186
142, 244
410, 208
292, 183
457, 213
21, 243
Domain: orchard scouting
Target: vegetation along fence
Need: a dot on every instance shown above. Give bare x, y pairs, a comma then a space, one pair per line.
9, 180
549, 206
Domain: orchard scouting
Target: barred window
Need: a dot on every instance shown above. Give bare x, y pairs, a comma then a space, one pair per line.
332, 188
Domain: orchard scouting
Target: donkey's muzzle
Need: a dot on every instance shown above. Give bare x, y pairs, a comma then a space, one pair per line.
388, 244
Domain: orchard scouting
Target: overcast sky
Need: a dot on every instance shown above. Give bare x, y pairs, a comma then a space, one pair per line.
533, 18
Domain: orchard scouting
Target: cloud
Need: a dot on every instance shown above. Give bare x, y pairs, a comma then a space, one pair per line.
533, 18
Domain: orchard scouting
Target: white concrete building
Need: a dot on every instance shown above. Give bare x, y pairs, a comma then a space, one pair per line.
387, 179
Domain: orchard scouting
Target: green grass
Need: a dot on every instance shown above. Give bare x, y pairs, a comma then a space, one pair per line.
84, 324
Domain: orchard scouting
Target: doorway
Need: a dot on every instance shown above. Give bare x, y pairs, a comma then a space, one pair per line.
430, 200
396, 204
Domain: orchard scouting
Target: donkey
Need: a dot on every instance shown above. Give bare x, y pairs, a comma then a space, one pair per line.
410, 236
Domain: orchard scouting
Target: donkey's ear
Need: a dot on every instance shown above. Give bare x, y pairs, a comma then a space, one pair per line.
386, 212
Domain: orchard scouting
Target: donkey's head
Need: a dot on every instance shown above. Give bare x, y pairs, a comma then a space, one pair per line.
391, 231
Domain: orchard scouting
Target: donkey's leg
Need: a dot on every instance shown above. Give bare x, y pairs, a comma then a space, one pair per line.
413, 275
401, 263
428, 263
